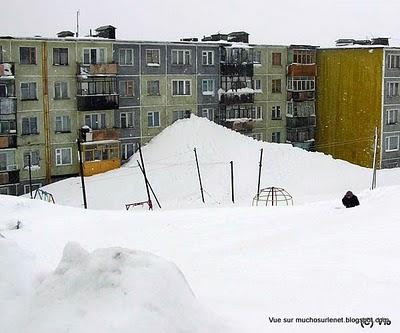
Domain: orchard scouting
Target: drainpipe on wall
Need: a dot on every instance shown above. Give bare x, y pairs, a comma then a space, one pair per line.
45, 91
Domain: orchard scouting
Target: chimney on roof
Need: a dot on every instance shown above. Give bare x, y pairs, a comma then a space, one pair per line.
106, 31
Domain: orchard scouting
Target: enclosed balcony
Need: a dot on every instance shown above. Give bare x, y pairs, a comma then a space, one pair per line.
300, 122
240, 124
300, 96
97, 94
9, 177
7, 71
8, 141
237, 69
110, 69
89, 135
302, 70
8, 106
238, 96
97, 102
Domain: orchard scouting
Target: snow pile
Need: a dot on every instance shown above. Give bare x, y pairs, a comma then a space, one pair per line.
108, 290
171, 169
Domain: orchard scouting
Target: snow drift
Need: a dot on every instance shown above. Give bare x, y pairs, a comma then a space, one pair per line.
108, 290
171, 168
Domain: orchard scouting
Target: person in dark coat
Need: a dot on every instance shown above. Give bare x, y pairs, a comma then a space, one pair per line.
350, 200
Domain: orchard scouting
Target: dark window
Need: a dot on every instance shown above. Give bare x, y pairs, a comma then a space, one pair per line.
60, 56
153, 88
27, 55
276, 137
29, 125
276, 86
35, 158
28, 91
276, 59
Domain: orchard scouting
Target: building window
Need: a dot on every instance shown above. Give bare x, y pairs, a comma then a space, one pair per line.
127, 119
181, 87
97, 87
276, 137
153, 88
35, 158
276, 112
94, 56
394, 61
289, 109
181, 114
63, 124
128, 149
4, 190
95, 120
393, 89
276, 86
392, 143
28, 91
256, 112
60, 90
208, 113
3, 90
208, 57
276, 59
27, 55
7, 160
29, 126
153, 57
63, 156
181, 57
126, 57
7, 127
207, 87
392, 116
1, 54
257, 85
257, 57
303, 56
60, 56
126, 89
153, 119
34, 187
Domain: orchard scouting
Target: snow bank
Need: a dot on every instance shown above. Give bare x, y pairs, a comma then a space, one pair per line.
115, 290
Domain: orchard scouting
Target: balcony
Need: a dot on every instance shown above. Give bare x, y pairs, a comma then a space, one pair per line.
7, 71
240, 96
9, 177
8, 106
8, 141
102, 134
97, 69
237, 69
301, 122
301, 96
240, 124
97, 102
302, 70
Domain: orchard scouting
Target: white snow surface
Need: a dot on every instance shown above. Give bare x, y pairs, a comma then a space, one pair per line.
65, 269
171, 169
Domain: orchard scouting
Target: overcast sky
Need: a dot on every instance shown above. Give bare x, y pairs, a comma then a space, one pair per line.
317, 22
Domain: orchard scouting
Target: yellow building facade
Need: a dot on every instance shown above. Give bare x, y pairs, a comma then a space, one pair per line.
349, 103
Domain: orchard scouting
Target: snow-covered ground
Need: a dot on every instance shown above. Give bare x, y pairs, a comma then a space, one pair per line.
225, 268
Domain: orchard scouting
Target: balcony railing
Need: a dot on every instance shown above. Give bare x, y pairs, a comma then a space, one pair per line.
8, 106
300, 96
231, 99
237, 69
7, 70
302, 70
297, 122
9, 177
240, 125
8, 141
97, 102
97, 69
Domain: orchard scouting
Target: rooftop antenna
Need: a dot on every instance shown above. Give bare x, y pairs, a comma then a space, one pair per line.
77, 23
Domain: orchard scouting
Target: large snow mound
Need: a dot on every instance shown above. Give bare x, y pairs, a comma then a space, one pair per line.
115, 290
171, 168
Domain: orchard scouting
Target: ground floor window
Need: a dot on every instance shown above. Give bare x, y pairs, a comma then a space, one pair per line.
276, 137
256, 136
34, 187
4, 190
128, 149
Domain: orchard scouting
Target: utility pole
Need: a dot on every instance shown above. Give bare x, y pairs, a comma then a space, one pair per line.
232, 188
81, 171
198, 172
30, 174
373, 185
259, 174
145, 178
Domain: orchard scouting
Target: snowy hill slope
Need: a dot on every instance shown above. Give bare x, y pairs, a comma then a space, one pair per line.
244, 263
170, 163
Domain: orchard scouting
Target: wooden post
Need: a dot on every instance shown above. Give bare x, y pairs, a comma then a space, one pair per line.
373, 185
259, 175
145, 178
232, 188
30, 174
198, 172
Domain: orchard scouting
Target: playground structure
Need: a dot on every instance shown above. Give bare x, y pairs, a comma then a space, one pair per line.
273, 196
43, 195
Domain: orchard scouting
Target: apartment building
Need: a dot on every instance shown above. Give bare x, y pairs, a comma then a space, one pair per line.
114, 94
358, 91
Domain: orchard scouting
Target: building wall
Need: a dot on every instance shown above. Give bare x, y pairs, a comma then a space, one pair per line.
349, 102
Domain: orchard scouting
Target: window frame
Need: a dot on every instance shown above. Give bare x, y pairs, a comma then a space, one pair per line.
185, 81
127, 85
393, 88
257, 112
59, 56
30, 127
185, 61
124, 150
153, 64
387, 143
30, 60
276, 113
278, 137
205, 54
65, 121
98, 53
125, 63
395, 112
58, 153
209, 83
61, 83
100, 117
148, 83
206, 112
129, 119
35, 98
275, 56
153, 113
274, 86
393, 61
31, 153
